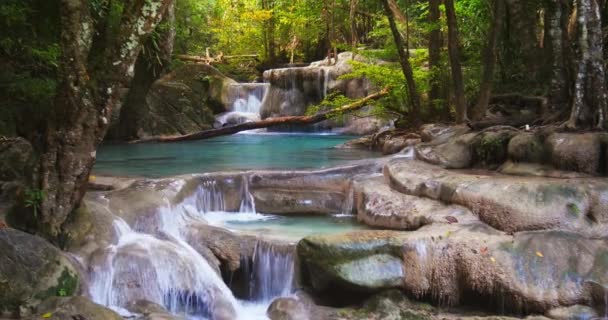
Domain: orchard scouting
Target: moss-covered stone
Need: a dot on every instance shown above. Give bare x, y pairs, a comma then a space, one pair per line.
527, 147
490, 149
32, 270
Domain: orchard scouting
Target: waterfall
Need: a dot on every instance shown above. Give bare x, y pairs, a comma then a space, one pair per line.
349, 202
245, 104
247, 201
270, 272
166, 271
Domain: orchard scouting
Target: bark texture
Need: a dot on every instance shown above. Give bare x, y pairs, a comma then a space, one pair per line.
455, 64
84, 103
556, 47
406, 67
589, 104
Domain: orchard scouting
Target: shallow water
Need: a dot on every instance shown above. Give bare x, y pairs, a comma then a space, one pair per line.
290, 228
236, 152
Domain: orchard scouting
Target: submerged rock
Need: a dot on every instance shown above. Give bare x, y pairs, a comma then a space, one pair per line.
529, 272
32, 270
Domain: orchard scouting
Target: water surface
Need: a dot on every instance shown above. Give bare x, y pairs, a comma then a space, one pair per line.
236, 152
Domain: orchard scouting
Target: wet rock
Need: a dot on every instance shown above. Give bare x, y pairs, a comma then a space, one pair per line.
573, 312
287, 309
455, 153
537, 170
70, 308
575, 152
291, 202
440, 133
533, 271
490, 149
363, 143
380, 206
527, 147
32, 270
395, 144
508, 203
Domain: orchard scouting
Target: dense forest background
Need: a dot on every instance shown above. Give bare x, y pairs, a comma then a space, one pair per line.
65, 64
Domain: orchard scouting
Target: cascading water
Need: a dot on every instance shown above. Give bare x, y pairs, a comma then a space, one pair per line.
271, 273
246, 102
155, 262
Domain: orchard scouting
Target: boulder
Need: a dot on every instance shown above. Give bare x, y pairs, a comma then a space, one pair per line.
455, 153
509, 203
180, 102
459, 264
440, 133
294, 202
575, 152
395, 144
32, 270
378, 205
527, 147
490, 148
70, 308
151, 311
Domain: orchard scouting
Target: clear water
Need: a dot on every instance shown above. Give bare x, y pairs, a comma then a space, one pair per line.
236, 152
291, 228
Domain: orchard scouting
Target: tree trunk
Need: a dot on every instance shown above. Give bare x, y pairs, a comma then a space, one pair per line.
556, 47
353, 23
435, 59
152, 63
271, 122
412, 91
84, 103
454, 53
589, 105
489, 60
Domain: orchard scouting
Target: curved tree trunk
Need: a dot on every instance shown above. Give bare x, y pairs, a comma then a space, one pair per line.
456, 67
406, 67
589, 105
84, 103
489, 60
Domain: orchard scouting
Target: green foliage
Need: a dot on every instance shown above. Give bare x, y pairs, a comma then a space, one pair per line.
33, 199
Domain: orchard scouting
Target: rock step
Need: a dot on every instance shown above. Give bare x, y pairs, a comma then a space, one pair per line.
509, 203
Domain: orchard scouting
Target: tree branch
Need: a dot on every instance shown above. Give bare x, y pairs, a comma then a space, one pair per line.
271, 122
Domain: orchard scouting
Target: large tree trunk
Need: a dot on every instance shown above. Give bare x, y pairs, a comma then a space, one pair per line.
435, 99
589, 105
454, 53
272, 122
83, 106
152, 63
556, 44
412, 91
489, 60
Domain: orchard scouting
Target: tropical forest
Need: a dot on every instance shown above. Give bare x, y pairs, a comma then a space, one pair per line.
303, 159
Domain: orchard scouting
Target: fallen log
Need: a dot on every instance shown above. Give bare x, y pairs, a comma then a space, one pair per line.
270, 122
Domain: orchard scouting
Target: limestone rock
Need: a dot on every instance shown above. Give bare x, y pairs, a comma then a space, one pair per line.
180, 102
527, 147
151, 311
490, 149
455, 153
509, 203
573, 312
440, 133
534, 271
32, 270
70, 308
380, 206
575, 152
290, 202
